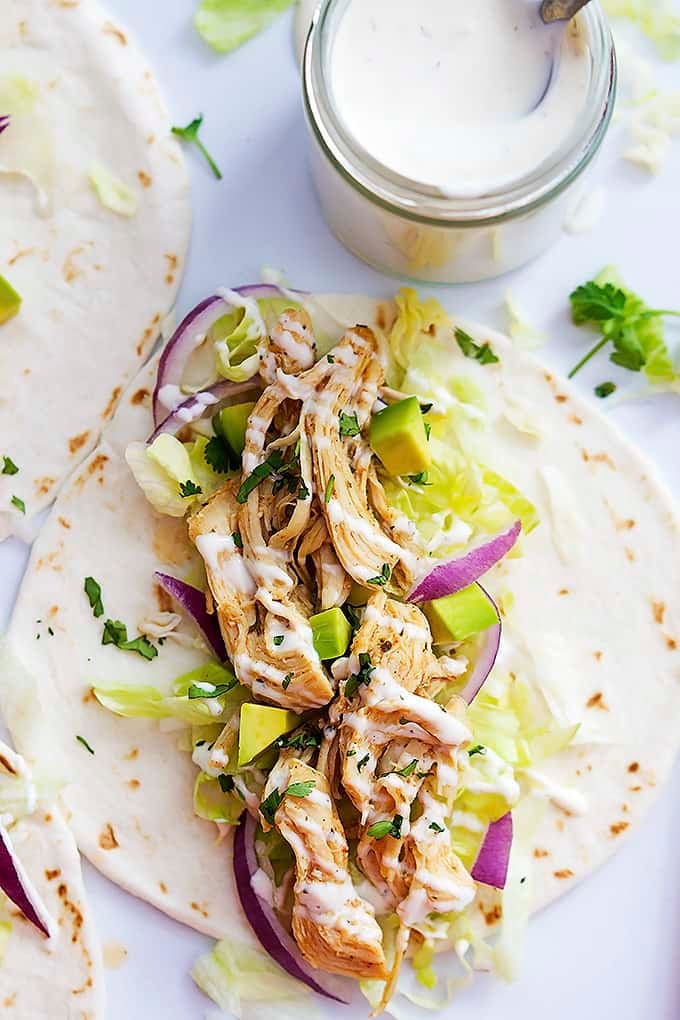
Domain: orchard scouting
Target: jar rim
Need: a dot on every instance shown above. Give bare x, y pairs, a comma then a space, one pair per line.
427, 205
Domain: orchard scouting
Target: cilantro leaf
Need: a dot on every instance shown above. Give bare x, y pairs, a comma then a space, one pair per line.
218, 456
199, 691
363, 763
189, 488
329, 489
226, 783
386, 828
605, 389
435, 827
18, 503
478, 352
269, 467
278, 639
190, 134
300, 789
237, 540
363, 677
115, 633
349, 424
94, 593
594, 302
477, 749
271, 804
83, 741
9, 467
406, 772
300, 741
383, 577
287, 681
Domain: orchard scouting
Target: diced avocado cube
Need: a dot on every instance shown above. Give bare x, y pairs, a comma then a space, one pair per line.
331, 632
399, 438
231, 423
260, 726
460, 616
358, 595
10, 302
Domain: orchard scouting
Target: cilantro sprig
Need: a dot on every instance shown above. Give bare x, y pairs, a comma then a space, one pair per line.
628, 324
265, 470
271, 804
363, 677
190, 134
8, 466
386, 828
478, 352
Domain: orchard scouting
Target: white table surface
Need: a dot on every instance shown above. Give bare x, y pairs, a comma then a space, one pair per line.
610, 948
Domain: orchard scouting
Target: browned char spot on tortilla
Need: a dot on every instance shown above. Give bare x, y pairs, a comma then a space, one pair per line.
575, 419
630, 555
635, 789
47, 818
658, 611
71, 908
200, 909
493, 915
564, 873
563, 591
598, 458
20, 255
149, 333
89, 696
97, 464
107, 838
598, 656
634, 766
618, 827
76, 442
43, 485
539, 852
671, 644
139, 396
51, 560
173, 262
64, 523
597, 701
163, 887
10, 1001
113, 400
134, 784
52, 873
145, 179
132, 754
7, 765
561, 398
111, 29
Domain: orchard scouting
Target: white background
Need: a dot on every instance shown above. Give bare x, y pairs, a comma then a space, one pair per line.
610, 949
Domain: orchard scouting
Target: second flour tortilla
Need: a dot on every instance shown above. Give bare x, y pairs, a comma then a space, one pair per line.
596, 623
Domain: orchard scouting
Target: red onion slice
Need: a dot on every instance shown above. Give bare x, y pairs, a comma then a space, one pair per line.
200, 320
487, 656
270, 933
491, 866
192, 600
4, 122
16, 884
448, 578
198, 405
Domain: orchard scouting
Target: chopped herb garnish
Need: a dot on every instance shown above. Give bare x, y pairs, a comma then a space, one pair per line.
426, 408
189, 488
288, 679
329, 489
218, 456
278, 639
226, 783
330, 359
478, 352
605, 389
424, 775
216, 690
405, 772
351, 754
303, 492
362, 677
477, 749
83, 741
349, 424
300, 742
387, 828
435, 827
353, 617
115, 633
190, 134
383, 577
94, 594
8, 466
420, 479
363, 763
50, 632
18, 503
271, 804
428, 430
199, 743
237, 540
256, 477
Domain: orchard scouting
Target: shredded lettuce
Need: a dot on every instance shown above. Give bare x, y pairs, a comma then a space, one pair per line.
159, 470
245, 981
238, 334
113, 193
414, 324
150, 703
655, 18
214, 804
227, 24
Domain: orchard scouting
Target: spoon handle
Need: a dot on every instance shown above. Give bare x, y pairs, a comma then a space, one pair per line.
560, 10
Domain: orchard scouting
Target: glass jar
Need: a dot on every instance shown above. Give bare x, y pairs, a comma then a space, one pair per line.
409, 229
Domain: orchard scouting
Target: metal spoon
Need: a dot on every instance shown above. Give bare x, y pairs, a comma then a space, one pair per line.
561, 10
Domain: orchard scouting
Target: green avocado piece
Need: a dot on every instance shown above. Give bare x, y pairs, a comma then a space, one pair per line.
231, 423
399, 438
331, 632
10, 302
460, 616
260, 726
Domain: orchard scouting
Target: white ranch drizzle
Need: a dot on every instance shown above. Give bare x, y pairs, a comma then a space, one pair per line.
221, 556
564, 797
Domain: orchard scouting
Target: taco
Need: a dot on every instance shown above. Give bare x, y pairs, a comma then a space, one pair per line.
383, 599
95, 226
50, 960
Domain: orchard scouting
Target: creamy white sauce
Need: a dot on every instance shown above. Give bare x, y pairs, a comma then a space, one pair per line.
262, 886
336, 905
256, 329
224, 560
563, 797
171, 396
467, 820
295, 341
400, 627
491, 775
387, 693
465, 97
378, 539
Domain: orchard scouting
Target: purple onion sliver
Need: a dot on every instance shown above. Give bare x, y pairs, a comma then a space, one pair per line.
270, 933
15, 884
192, 600
196, 406
491, 866
449, 578
486, 659
4, 122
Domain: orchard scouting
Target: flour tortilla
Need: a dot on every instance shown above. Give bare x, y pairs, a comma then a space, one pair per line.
59, 979
596, 621
95, 285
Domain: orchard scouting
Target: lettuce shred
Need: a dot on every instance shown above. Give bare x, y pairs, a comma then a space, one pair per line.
227, 24
654, 18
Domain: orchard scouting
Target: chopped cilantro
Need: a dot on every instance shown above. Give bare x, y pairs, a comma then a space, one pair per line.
300, 789
256, 477
196, 691
288, 679
190, 134
218, 456
18, 503
189, 488
115, 633
435, 827
383, 577
351, 753
353, 617
94, 594
278, 639
329, 489
362, 677
349, 424
226, 783
477, 749
363, 763
605, 389
406, 772
303, 491
478, 352
271, 804
300, 741
8, 466
83, 741
387, 828
330, 359
420, 479
237, 540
